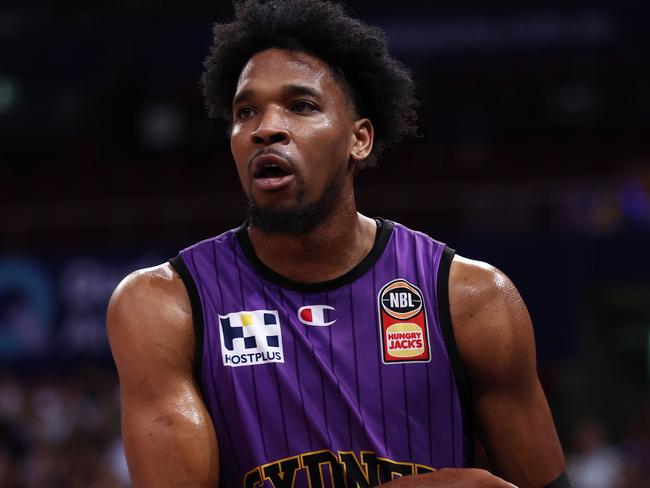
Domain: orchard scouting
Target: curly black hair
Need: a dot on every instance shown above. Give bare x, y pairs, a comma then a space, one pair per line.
381, 88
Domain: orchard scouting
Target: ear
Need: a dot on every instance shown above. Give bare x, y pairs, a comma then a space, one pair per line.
363, 134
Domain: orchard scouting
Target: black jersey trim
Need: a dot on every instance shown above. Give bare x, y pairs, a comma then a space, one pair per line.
384, 232
444, 315
197, 310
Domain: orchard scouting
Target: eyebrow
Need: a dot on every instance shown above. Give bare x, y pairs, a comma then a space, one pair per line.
297, 90
242, 96
288, 90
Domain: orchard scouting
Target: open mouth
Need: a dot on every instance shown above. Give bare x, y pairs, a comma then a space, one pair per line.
271, 170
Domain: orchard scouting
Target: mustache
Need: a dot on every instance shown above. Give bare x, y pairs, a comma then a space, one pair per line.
270, 150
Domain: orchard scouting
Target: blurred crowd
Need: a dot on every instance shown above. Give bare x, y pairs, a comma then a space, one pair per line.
61, 430
595, 462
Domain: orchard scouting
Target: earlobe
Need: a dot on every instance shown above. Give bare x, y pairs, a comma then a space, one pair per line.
362, 139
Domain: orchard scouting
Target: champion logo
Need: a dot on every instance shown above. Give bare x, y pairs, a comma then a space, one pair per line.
315, 315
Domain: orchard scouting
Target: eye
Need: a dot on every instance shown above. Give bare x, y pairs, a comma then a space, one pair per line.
244, 113
303, 107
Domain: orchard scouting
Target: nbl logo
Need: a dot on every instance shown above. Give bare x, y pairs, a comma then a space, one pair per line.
401, 300
403, 323
251, 337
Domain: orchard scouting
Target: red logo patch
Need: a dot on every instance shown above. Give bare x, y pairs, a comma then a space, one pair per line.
403, 323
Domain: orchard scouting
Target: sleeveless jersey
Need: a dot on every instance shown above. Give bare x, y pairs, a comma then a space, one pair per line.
346, 383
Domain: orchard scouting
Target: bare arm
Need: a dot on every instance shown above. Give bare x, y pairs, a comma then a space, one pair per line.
168, 434
495, 339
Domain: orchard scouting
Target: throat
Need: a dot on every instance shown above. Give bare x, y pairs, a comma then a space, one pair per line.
319, 256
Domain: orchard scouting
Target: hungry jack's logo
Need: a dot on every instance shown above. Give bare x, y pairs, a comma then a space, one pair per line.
403, 323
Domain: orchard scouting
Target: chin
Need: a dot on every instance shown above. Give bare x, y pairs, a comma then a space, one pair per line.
294, 220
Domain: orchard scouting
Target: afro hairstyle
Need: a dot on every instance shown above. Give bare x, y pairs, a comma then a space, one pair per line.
381, 88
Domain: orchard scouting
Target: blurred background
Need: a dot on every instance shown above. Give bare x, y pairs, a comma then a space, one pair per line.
534, 155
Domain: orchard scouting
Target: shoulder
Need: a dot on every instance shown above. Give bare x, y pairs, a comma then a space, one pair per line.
156, 291
150, 311
473, 285
491, 324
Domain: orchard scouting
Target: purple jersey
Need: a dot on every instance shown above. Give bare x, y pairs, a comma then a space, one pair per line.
346, 383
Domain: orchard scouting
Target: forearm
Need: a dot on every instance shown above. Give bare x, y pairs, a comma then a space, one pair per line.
464, 478
451, 478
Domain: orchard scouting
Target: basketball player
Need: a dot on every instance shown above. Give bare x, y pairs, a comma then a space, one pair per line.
314, 346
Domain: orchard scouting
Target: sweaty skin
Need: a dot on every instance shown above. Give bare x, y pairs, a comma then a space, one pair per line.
291, 103
167, 431
495, 339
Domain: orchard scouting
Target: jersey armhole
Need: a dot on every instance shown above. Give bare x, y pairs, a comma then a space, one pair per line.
197, 311
444, 315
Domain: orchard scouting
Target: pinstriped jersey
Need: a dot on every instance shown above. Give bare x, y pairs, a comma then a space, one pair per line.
346, 383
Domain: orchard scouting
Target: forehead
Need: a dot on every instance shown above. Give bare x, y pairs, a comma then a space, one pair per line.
286, 67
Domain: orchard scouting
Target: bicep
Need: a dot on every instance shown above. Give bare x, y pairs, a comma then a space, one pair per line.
497, 347
168, 434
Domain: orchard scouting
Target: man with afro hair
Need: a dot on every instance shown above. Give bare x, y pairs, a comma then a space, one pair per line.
314, 346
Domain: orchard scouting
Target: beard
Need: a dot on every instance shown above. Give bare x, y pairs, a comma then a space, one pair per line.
300, 218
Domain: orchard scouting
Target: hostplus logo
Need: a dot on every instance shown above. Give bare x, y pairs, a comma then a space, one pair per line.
251, 337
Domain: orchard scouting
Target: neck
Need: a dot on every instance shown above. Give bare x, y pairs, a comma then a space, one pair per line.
334, 247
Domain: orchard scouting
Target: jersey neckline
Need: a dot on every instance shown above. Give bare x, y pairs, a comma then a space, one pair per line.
384, 232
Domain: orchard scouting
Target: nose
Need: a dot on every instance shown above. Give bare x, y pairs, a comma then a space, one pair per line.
271, 129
